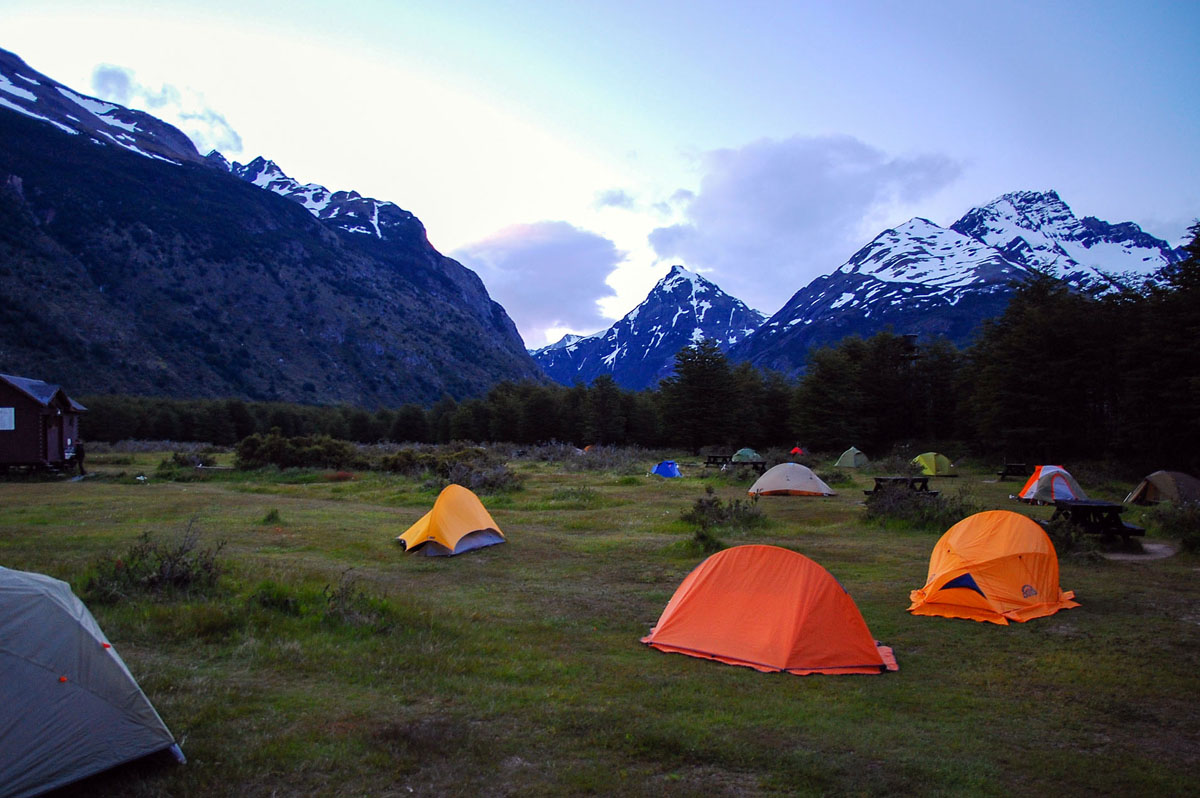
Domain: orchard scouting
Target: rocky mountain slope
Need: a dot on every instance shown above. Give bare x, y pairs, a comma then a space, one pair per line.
924, 279
639, 350
131, 264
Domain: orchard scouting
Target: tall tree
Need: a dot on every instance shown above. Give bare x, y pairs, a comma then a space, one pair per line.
698, 399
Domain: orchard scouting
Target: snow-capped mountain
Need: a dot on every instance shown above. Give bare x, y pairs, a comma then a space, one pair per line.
346, 210
927, 280
174, 274
683, 308
1037, 229
32, 94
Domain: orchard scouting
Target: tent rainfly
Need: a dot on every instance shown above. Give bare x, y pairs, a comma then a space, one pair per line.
746, 455
995, 566
458, 522
852, 458
1048, 484
771, 609
790, 479
933, 464
71, 708
1165, 486
667, 468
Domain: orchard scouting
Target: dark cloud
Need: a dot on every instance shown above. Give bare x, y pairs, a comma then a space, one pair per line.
546, 275
186, 110
614, 198
771, 216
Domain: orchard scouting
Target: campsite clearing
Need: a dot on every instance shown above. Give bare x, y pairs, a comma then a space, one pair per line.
517, 669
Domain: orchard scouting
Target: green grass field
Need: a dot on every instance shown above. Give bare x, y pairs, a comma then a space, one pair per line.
516, 669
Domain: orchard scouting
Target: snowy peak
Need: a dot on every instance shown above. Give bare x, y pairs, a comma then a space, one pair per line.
1038, 230
346, 210
919, 251
32, 94
683, 308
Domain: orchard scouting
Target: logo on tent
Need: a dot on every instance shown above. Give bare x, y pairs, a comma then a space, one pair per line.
1028, 591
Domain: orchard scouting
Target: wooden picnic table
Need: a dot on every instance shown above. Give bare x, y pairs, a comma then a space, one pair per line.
1096, 517
1014, 470
917, 484
717, 460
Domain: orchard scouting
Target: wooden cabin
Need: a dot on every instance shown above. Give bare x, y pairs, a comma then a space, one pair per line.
39, 424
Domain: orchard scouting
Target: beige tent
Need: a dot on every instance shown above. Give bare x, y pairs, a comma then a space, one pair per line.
458, 522
852, 458
1165, 486
1050, 483
790, 479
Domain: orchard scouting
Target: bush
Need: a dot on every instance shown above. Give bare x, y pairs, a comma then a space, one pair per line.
348, 604
1180, 521
157, 568
900, 505
709, 512
318, 451
616, 459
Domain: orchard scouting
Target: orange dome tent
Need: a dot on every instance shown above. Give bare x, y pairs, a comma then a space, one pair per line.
995, 566
458, 522
770, 609
1048, 484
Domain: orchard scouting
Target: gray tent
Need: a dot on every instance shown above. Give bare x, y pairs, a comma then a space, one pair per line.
70, 706
852, 458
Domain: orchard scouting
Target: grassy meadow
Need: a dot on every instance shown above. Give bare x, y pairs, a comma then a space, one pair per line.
329, 663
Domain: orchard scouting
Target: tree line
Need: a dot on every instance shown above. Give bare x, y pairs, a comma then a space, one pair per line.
1060, 374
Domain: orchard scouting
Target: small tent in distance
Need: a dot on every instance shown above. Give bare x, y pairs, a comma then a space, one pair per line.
71, 707
457, 523
771, 609
790, 479
852, 458
934, 464
746, 455
1048, 484
996, 566
1165, 486
668, 469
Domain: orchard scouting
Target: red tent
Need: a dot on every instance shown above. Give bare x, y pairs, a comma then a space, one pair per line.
797, 450
770, 609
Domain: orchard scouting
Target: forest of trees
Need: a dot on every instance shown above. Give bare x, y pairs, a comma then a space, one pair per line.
1059, 375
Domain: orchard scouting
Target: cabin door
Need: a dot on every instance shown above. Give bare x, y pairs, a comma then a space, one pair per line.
54, 451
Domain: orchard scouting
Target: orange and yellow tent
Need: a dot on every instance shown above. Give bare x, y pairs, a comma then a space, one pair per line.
995, 566
770, 609
458, 522
1048, 484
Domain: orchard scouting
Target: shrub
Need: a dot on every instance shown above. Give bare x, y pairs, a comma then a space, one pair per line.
272, 517
157, 568
617, 459
317, 451
709, 511
897, 504
836, 477
348, 604
1180, 521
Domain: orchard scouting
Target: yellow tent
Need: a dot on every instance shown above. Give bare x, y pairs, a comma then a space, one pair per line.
458, 522
933, 464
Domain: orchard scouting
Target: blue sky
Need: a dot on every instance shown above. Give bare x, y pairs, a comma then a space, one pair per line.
571, 152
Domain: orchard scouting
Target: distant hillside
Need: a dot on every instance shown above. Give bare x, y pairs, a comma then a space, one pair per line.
128, 264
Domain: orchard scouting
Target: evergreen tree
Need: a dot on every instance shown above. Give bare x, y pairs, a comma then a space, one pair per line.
698, 399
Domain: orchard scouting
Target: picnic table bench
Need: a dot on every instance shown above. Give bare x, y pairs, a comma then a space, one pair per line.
917, 484
717, 461
1095, 517
1014, 470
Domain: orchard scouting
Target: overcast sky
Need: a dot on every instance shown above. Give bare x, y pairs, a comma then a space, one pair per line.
570, 152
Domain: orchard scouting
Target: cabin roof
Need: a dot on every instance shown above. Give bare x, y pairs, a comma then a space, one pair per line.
41, 392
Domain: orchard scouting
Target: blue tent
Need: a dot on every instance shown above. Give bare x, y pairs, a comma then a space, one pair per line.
667, 468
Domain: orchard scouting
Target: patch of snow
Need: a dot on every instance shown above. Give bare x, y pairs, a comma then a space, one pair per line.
87, 103
7, 85
32, 115
27, 80
842, 300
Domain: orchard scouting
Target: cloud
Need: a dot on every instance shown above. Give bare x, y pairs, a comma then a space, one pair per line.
615, 198
548, 276
185, 109
774, 214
